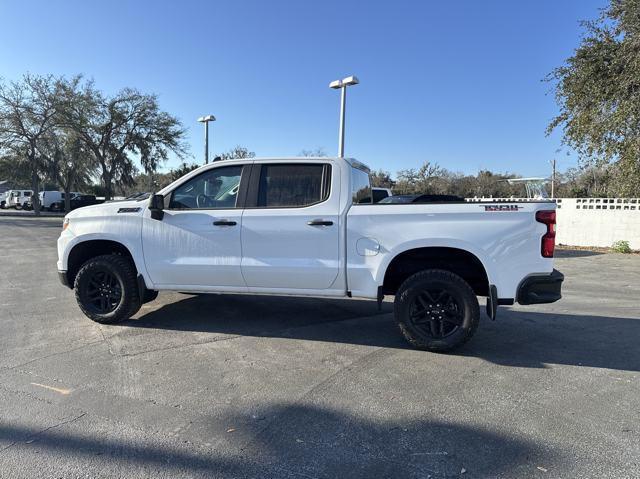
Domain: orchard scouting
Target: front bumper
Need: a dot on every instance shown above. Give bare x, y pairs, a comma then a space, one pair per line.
541, 288
62, 276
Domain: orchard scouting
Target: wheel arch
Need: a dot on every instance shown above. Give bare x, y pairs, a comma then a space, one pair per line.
82, 251
460, 261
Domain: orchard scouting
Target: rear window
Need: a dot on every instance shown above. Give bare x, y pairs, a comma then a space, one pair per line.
360, 187
293, 185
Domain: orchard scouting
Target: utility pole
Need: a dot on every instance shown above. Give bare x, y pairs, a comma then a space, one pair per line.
553, 178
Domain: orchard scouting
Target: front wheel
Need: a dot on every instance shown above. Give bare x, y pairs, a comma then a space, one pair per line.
436, 310
106, 289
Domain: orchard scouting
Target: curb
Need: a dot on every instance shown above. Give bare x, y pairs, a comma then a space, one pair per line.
9, 214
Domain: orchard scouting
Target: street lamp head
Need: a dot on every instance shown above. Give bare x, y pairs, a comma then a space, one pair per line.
352, 80
204, 119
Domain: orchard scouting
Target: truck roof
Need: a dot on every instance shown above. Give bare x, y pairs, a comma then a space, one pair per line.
352, 161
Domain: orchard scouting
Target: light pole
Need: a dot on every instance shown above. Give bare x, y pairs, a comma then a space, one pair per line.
343, 84
206, 120
553, 178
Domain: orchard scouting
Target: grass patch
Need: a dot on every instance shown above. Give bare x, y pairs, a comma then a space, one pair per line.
621, 247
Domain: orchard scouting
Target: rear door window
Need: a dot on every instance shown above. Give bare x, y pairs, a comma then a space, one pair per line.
293, 185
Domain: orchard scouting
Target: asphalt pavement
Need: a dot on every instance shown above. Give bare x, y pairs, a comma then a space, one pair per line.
251, 386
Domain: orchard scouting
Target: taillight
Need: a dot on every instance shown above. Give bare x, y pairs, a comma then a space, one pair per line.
548, 244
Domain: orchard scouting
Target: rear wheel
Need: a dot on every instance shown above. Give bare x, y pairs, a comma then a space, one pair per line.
106, 289
436, 310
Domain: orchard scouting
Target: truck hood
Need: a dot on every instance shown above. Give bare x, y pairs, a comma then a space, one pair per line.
128, 207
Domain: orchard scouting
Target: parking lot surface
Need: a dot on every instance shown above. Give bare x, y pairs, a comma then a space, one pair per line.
254, 386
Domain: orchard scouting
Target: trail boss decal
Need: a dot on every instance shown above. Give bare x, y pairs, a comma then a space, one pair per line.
502, 207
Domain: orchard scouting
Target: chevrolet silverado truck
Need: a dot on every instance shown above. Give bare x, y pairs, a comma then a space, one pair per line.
308, 227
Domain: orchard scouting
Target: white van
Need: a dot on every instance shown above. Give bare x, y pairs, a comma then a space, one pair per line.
47, 198
18, 198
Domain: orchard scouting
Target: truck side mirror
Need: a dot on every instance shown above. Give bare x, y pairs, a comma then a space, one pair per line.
156, 206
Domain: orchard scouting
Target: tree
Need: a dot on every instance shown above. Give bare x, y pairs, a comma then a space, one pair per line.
237, 153
584, 182
381, 179
28, 110
182, 170
14, 167
143, 183
67, 161
316, 152
598, 92
117, 129
422, 180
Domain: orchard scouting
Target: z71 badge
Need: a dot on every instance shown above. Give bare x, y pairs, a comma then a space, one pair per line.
502, 207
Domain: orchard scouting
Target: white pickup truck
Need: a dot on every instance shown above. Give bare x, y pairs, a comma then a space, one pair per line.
307, 227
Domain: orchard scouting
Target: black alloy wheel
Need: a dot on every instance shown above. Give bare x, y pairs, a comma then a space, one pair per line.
103, 292
436, 313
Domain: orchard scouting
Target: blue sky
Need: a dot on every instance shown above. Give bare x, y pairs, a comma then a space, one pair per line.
457, 83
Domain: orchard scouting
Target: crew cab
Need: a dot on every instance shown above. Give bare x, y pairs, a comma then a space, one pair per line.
308, 227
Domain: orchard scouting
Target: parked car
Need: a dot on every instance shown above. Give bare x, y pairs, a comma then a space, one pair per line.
18, 198
78, 201
289, 227
47, 198
422, 199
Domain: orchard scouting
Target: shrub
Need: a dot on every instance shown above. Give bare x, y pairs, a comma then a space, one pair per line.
621, 247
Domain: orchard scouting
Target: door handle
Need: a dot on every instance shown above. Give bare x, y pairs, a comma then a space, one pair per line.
320, 223
224, 223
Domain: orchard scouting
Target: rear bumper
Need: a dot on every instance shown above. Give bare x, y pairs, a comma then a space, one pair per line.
541, 288
62, 276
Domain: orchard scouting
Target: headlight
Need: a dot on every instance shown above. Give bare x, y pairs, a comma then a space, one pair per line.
65, 223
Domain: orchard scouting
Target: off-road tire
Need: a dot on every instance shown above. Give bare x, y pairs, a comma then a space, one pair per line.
124, 274
466, 309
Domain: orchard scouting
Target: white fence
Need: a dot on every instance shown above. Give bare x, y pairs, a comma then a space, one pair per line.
593, 221
598, 221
